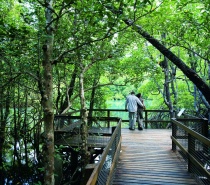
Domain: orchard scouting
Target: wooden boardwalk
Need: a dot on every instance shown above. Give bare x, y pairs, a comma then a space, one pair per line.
146, 158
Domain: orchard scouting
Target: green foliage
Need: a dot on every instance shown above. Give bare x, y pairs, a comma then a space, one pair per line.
38, 183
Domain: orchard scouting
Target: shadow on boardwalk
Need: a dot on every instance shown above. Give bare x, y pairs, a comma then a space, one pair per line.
146, 158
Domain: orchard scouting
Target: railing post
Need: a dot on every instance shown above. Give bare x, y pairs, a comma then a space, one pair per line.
205, 133
174, 130
108, 115
113, 129
205, 128
191, 150
146, 117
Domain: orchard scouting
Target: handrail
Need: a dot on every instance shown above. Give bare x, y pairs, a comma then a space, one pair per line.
109, 115
197, 148
184, 115
192, 132
146, 120
108, 119
113, 146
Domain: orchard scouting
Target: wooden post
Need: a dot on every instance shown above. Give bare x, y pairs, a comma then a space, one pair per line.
205, 133
113, 129
108, 115
146, 117
191, 150
74, 162
205, 128
174, 130
88, 171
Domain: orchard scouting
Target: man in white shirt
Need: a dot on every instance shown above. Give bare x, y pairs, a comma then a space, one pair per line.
131, 107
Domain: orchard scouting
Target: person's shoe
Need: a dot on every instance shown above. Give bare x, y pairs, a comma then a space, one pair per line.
140, 128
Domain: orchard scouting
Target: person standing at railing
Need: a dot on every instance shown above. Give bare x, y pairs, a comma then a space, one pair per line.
131, 106
140, 112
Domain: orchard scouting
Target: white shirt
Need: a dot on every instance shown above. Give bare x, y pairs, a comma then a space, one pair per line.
131, 103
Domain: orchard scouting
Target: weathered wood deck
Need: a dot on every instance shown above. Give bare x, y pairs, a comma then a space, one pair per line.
146, 158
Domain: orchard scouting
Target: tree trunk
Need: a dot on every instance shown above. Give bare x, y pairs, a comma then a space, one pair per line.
173, 84
84, 127
92, 102
4, 113
47, 99
167, 93
192, 75
167, 82
65, 105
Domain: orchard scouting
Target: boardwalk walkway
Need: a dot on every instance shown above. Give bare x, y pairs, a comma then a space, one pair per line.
146, 158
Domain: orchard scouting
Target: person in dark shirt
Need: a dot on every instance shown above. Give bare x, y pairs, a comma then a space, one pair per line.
140, 112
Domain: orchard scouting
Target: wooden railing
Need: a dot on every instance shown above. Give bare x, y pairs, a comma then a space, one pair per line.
147, 118
103, 171
160, 120
189, 138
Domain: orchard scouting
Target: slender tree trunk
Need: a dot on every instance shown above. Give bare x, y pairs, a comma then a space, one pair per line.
167, 82
192, 75
65, 104
47, 98
173, 84
209, 70
4, 113
16, 158
84, 128
25, 129
92, 102
167, 93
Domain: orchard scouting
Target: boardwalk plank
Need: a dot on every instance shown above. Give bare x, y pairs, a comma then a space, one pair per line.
146, 158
